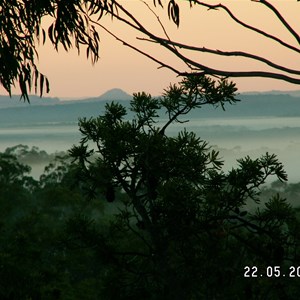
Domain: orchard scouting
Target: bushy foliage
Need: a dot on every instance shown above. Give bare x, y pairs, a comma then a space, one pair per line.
185, 230
135, 213
21, 30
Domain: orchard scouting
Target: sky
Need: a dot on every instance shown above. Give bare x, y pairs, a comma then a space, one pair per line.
74, 76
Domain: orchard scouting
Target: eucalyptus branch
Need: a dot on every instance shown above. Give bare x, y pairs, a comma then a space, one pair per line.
131, 17
281, 18
224, 53
252, 28
201, 67
211, 71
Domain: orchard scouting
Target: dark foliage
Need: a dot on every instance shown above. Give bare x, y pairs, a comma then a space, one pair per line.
185, 230
145, 215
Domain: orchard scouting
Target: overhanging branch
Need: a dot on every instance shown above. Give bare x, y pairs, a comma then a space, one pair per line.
243, 24
225, 53
198, 67
281, 18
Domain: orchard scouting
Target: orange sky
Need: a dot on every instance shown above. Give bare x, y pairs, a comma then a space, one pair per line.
74, 76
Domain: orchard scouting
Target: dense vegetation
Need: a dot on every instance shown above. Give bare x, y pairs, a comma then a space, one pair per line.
132, 213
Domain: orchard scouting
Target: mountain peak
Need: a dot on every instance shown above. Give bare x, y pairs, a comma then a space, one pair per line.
115, 94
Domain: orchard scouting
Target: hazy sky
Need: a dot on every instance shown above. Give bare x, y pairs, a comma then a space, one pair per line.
71, 75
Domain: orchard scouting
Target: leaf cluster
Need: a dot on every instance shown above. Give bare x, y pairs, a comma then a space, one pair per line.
21, 29
252, 173
128, 148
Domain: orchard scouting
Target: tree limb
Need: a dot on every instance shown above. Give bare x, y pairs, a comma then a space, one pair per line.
211, 71
281, 18
252, 28
225, 53
198, 67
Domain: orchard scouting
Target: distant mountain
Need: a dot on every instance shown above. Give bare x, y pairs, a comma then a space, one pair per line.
256, 104
115, 94
111, 95
60, 111
295, 93
50, 110
280, 105
15, 101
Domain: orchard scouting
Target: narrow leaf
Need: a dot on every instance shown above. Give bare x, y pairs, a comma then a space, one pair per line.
42, 78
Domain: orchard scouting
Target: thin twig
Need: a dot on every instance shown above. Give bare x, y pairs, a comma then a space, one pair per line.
138, 50
159, 21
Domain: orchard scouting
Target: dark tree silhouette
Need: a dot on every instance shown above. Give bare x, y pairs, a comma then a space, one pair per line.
184, 228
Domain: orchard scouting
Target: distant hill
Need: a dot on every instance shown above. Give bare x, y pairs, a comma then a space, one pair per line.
49, 110
295, 93
57, 111
258, 104
115, 94
16, 101
111, 95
